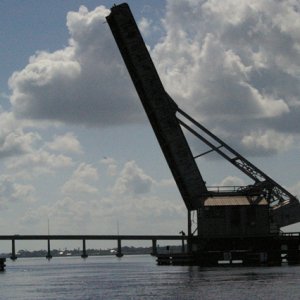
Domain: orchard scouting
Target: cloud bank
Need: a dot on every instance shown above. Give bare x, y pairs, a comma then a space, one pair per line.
235, 65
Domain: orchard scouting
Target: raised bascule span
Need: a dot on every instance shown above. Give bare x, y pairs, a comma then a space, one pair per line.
160, 108
252, 210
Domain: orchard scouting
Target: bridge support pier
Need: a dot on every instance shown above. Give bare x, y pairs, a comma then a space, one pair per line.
13, 250
154, 248
119, 249
2, 263
48, 256
84, 253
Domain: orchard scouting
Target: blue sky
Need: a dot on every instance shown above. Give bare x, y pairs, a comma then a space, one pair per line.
75, 144
41, 25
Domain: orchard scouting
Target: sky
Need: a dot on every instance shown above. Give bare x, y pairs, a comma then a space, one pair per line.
75, 144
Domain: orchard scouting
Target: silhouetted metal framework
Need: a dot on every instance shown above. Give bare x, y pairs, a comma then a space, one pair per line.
167, 120
285, 208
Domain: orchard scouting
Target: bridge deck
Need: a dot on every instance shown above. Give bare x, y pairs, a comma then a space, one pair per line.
92, 237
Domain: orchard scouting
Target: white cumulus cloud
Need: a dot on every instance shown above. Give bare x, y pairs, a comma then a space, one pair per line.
12, 192
84, 83
81, 181
133, 180
65, 143
14, 140
235, 66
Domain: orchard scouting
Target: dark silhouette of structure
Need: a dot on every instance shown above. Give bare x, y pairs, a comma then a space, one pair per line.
239, 224
2, 264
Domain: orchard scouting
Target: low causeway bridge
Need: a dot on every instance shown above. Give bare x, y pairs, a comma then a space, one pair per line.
287, 244
84, 238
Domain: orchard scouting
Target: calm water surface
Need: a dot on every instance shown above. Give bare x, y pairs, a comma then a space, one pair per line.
138, 277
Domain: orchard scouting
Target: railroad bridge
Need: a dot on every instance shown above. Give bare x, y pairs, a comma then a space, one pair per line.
246, 221
241, 224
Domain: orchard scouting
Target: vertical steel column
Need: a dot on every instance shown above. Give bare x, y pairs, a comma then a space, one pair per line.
84, 254
48, 256
189, 238
13, 250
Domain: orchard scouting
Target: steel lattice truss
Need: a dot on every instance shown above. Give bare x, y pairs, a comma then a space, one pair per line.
284, 205
167, 121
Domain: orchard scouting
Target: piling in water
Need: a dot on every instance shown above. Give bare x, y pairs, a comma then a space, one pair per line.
2, 264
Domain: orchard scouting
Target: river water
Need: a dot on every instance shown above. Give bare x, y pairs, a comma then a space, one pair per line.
138, 277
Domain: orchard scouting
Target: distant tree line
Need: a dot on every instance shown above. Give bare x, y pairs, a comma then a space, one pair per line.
91, 252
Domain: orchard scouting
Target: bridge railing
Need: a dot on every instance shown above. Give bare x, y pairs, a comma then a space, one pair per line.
295, 233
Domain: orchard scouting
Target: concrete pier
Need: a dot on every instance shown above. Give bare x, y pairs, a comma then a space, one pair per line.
119, 249
84, 253
13, 250
154, 247
247, 251
293, 254
48, 256
2, 263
